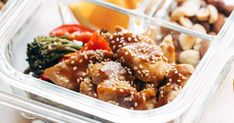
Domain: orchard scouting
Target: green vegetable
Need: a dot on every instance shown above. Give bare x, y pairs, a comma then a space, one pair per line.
45, 52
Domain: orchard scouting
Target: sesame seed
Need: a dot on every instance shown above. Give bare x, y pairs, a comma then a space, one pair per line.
111, 37
72, 62
138, 71
81, 60
135, 40
121, 41
74, 68
129, 38
176, 88
95, 95
114, 47
146, 74
135, 104
126, 53
168, 83
117, 39
144, 98
66, 81
183, 77
178, 80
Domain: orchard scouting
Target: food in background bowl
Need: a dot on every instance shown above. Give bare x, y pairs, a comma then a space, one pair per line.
208, 14
96, 16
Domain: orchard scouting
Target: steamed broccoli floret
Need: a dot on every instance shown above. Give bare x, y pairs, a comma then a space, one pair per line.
45, 52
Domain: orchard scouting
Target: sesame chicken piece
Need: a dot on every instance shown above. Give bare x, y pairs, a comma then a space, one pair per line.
145, 99
72, 71
124, 95
123, 37
88, 88
167, 93
179, 73
168, 48
109, 70
146, 61
116, 91
176, 79
138, 52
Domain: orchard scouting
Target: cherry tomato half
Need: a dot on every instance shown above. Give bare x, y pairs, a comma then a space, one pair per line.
73, 32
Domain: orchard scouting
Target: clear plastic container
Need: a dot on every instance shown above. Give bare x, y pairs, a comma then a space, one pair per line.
16, 34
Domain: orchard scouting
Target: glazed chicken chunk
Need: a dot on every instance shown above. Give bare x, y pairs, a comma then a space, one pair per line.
140, 54
114, 85
168, 48
147, 61
100, 72
176, 79
70, 73
88, 88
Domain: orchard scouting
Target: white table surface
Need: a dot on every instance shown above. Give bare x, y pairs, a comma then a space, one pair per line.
220, 111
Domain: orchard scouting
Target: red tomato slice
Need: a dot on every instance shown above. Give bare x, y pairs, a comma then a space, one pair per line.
43, 77
97, 42
73, 32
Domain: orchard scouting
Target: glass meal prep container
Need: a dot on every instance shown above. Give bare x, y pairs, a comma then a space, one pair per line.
41, 22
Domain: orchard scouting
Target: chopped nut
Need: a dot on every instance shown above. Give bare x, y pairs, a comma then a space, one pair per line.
199, 28
213, 14
190, 8
177, 13
213, 33
204, 47
201, 46
190, 57
197, 44
221, 6
203, 14
227, 10
186, 41
219, 23
185, 22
